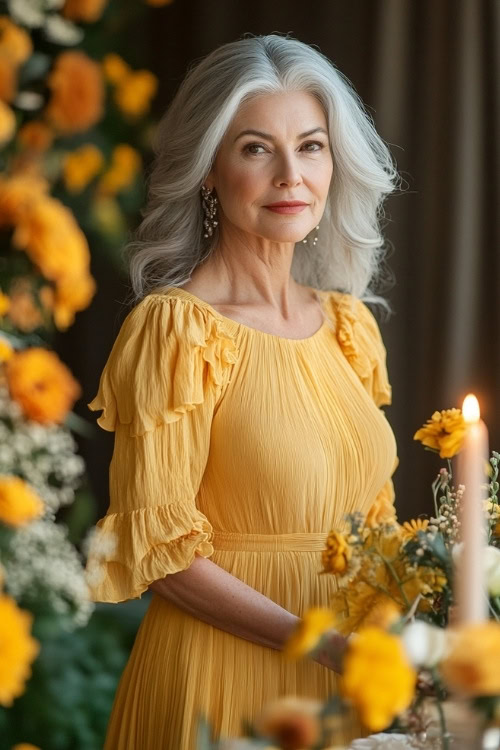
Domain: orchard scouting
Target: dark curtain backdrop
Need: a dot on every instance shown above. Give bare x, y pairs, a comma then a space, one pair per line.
428, 71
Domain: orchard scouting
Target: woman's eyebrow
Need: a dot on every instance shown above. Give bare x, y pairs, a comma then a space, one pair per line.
270, 137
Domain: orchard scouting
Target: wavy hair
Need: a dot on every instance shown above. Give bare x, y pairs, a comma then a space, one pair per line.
169, 244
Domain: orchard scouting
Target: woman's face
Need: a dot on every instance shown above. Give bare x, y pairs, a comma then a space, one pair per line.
275, 151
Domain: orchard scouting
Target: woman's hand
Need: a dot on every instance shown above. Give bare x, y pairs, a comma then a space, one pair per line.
332, 650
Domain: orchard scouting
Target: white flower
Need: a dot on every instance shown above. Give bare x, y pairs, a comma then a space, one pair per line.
27, 12
424, 644
492, 570
61, 31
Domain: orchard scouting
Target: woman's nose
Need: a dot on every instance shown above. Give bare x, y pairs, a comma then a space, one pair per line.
287, 172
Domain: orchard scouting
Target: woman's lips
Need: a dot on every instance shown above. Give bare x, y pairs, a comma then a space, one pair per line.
293, 209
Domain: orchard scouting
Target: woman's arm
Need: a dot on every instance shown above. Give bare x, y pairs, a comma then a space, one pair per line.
210, 593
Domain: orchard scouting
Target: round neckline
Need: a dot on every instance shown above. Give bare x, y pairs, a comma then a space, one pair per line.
236, 324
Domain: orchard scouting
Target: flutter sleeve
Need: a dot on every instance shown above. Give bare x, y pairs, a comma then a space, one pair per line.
158, 391
359, 337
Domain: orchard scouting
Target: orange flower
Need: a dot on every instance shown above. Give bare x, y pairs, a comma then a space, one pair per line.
115, 68
472, 666
444, 432
7, 123
133, 95
125, 163
17, 195
77, 93
25, 746
72, 295
4, 304
84, 10
42, 385
51, 237
35, 136
81, 166
15, 43
292, 723
18, 503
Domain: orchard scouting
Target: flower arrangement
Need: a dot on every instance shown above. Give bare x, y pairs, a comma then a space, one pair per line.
408, 669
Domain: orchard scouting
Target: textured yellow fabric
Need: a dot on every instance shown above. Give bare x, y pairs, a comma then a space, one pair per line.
247, 448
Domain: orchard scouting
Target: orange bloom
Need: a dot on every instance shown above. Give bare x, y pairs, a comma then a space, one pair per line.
17, 195
72, 295
42, 385
81, 166
77, 93
292, 723
472, 667
125, 163
18, 503
25, 746
134, 93
15, 43
84, 10
18, 649
115, 68
444, 432
4, 304
7, 123
6, 350
35, 136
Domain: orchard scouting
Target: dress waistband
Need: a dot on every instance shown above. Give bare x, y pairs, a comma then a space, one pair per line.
299, 542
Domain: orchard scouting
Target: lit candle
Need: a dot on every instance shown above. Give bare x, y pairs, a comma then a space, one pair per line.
470, 586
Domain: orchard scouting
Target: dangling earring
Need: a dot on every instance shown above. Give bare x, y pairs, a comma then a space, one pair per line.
315, 238
209, 204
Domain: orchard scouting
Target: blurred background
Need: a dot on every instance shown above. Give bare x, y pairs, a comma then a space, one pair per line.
428, 73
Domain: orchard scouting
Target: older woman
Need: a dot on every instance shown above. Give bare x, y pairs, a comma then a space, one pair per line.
243, 388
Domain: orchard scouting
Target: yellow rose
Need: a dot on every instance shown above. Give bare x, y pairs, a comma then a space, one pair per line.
444, 432
336, 556
81, 166
472, 666
378, 678
17, 650
18, 503
306, 636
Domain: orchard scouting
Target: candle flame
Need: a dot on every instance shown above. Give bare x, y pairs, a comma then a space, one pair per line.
470, 408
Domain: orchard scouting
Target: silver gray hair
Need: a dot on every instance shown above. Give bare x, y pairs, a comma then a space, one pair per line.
169, 243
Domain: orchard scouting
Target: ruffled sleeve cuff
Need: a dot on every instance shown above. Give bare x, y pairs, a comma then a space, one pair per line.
165, 357
131, 550
359, 338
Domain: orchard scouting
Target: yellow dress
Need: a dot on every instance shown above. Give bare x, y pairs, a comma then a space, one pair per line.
247, 448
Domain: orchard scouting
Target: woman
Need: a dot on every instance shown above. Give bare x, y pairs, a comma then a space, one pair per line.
243, 388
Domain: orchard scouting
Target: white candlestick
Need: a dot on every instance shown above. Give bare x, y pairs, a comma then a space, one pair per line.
470, 586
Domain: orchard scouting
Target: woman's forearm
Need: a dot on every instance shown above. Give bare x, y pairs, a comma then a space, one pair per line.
210, 593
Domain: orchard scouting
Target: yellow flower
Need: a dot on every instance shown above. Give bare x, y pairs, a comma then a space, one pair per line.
41, 384
293, 723
17, 650
306, 636
25, 746
84, 10
472, 666
444, 432
18, 503
125, 163
382, 509
336, 556
77, 92
81, 166
17, 195
6, 351
378, 678
115, 68
411, 528
4, 304
134, 93
72, 294
7, 123
35, 136
15, 43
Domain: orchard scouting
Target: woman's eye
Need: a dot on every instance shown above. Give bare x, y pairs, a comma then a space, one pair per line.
252, 148
315, 146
